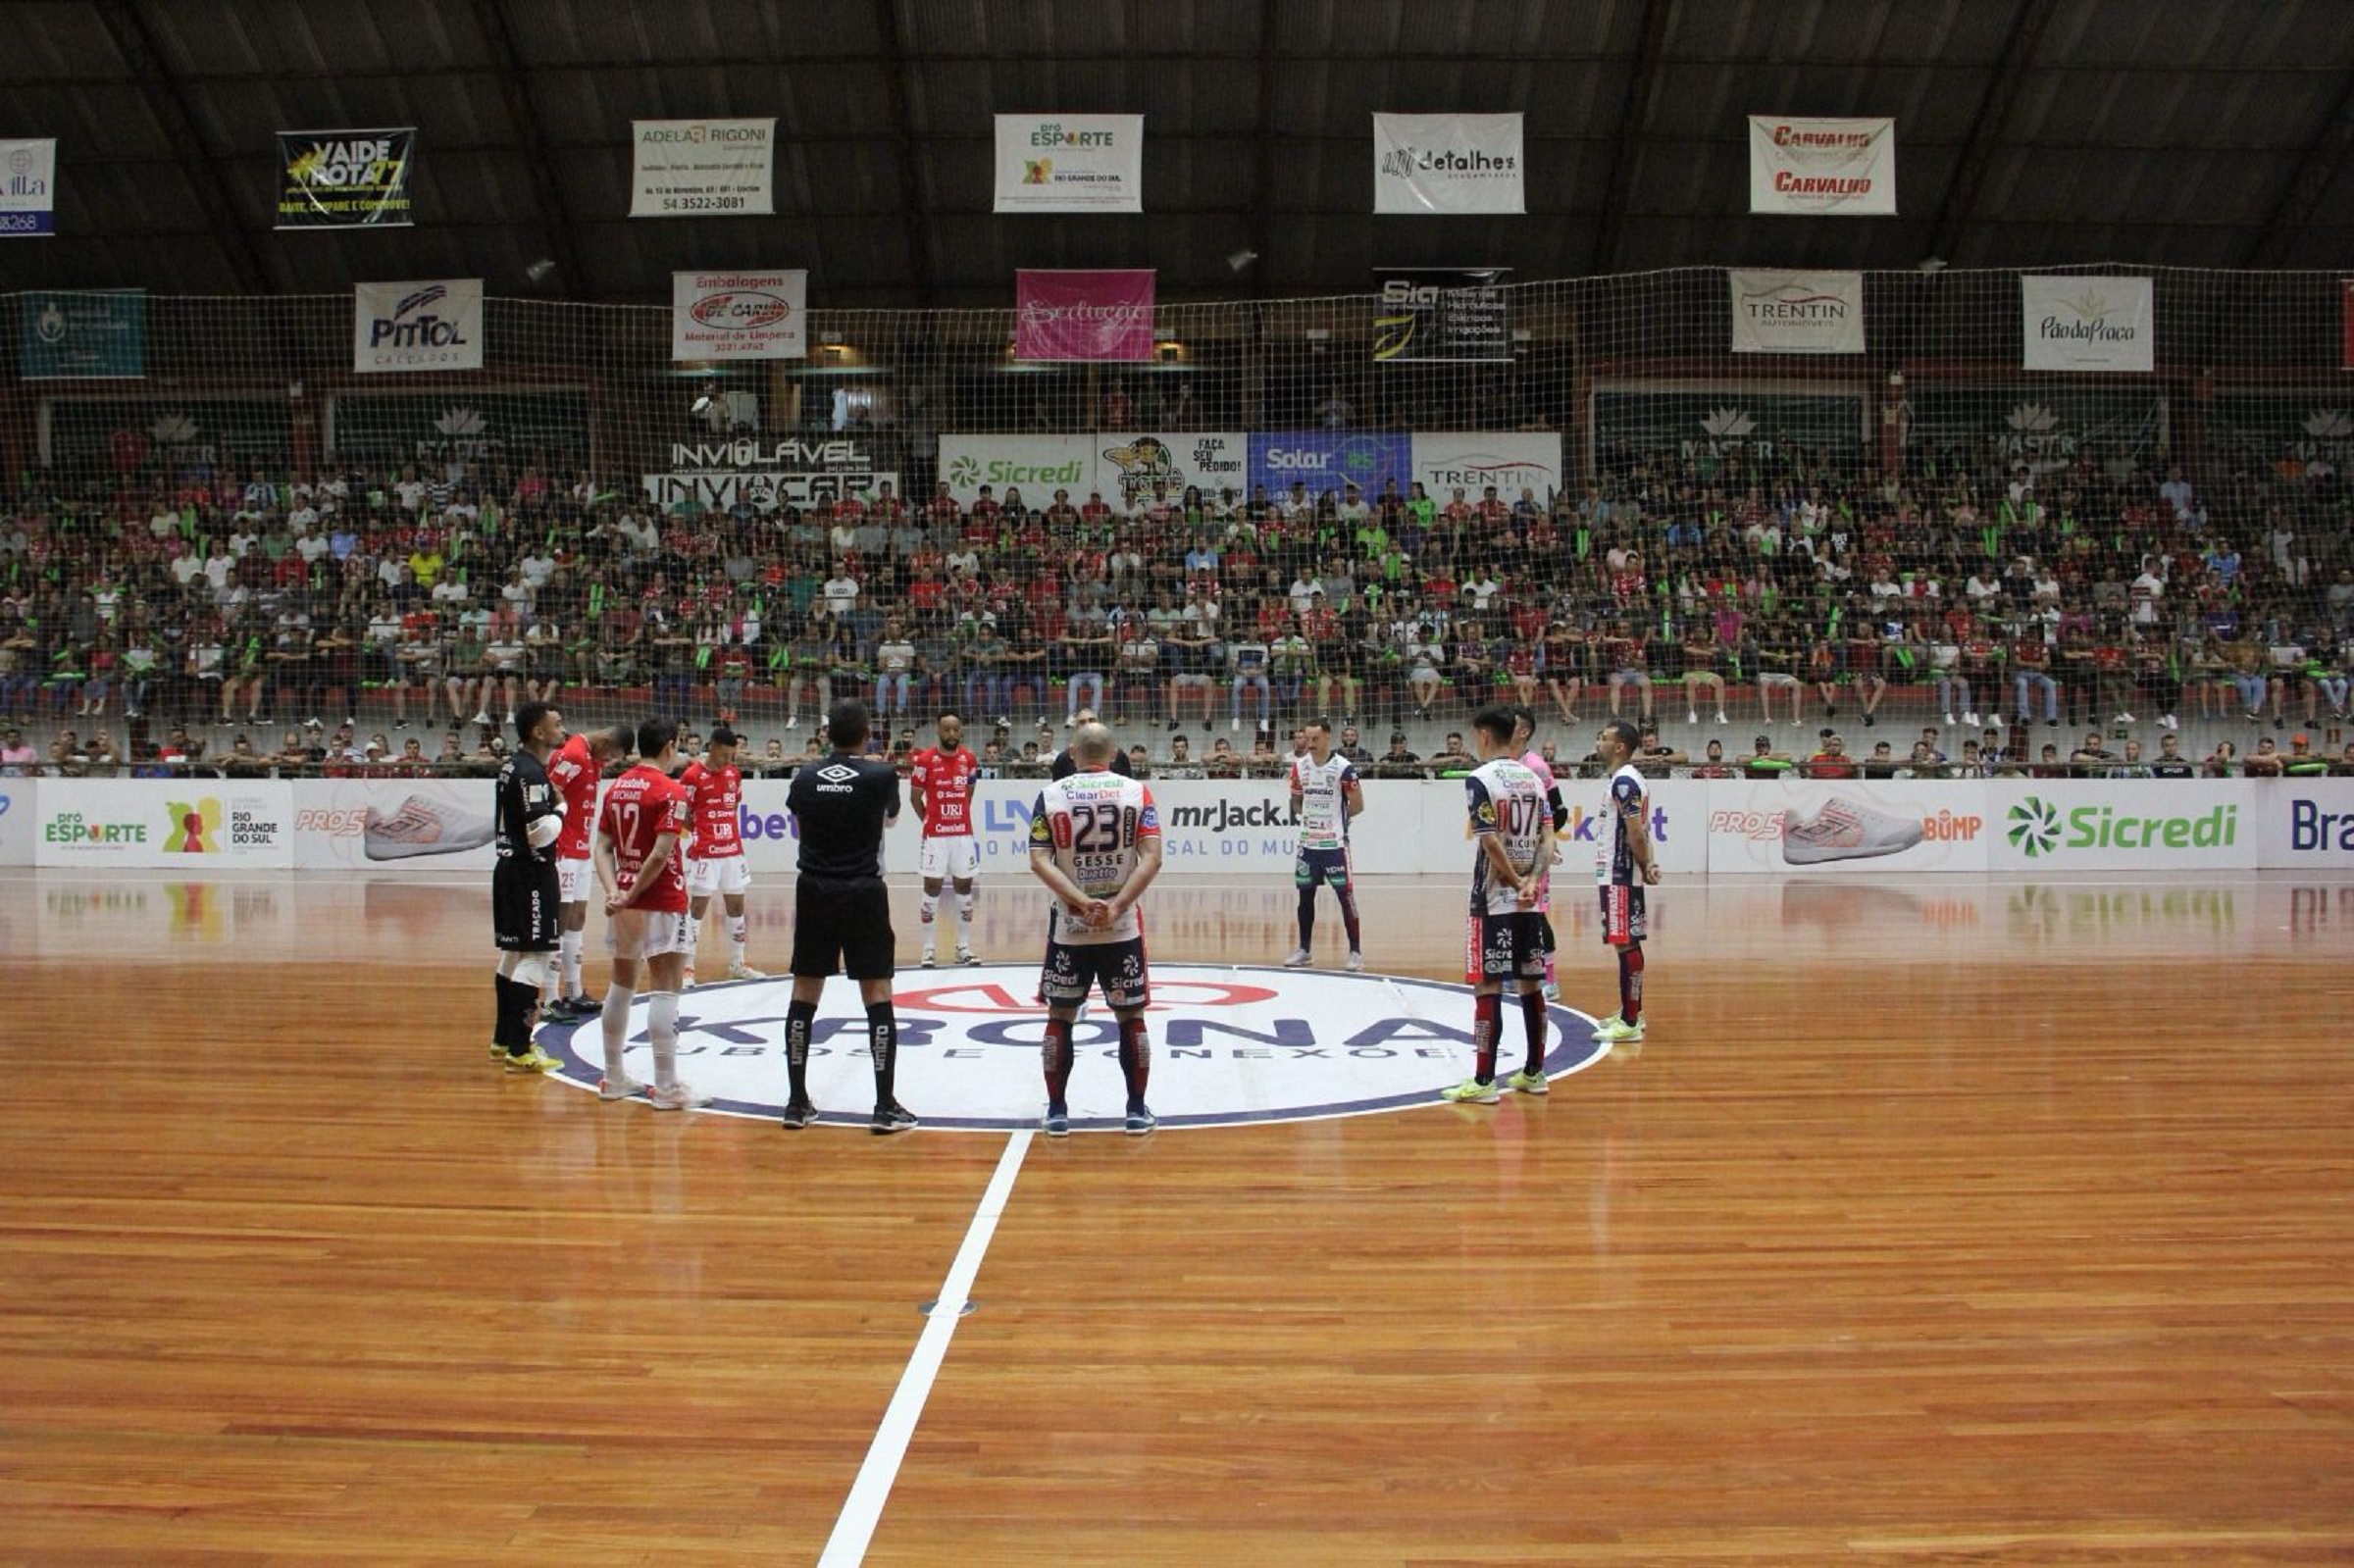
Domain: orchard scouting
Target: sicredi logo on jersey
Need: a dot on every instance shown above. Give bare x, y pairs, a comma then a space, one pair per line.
1229, 1045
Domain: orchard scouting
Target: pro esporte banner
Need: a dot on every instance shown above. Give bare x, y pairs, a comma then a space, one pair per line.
344, 179
739, 315
1439, 314
1083, 315
1797, 313
1448, 165
1844, 168
27, 188
702, 168
1070, 164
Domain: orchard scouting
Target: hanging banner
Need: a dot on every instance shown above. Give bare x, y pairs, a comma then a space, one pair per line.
1838, 167
1797, 313
439, 432
344, 179
418, 326
1036, 465
2297, 434
1083, 315
1710, 426
2087, 324
1476, 461
702, 168
27, 188
83, 336
1436, 314
1443, 165
1070, 163
739, 315
1331, 460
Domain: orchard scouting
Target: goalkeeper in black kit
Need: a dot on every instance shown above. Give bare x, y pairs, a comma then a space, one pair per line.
525, 894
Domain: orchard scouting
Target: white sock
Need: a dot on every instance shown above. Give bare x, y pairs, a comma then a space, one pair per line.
737, 925
616, 1022
567, 950
927, 909
662, 1023
695, 937
964, 918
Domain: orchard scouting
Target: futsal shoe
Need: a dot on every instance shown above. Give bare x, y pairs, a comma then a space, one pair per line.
619, 1089
1527, 1082
1356, 964
1297, 958
798, 1113
676, 1097
421, 827
1140, 1122
891, 1118
1618, 1031
1842, 829
929, 958
744, 972
534, 1060
966, 956
1471, 1091
498, 1052
584, 1007
1056, 1123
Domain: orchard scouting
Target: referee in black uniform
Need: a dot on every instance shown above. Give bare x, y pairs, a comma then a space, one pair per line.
1065, 765
841, 913
525, 894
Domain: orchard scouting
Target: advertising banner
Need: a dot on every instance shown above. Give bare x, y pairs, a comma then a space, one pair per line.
1710, 424
83, 334
131, 434
1070, 164
1135, 469
1331, 460
2160, 824
344, 179
1432, 314
27, 188
2071, 323
702, 168
1512, 461
363, 825
2296, 434
432, 325
739, 315
1821, 166
1797, 313
549, 429
20, 818
2301, 824
1447, 164
166, 822
2039, 427
1083, 315
1034, 465
1804, 827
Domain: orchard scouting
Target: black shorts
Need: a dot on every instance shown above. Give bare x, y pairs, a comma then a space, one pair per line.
843, 927
1509, 947
1071, 972
524, 899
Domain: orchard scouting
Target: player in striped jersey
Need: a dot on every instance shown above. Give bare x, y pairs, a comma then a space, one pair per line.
1622, 868
1525, 741
1513, 827
1325, 798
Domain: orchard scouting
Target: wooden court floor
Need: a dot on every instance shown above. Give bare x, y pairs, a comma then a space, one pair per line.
1952, 1221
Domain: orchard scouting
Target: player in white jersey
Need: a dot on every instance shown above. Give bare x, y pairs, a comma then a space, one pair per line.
1513, 827
1525, 741
1622, 868
1325, 798
1094, 841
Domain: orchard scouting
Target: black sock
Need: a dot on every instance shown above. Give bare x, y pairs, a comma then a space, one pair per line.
502, 1028
1136, 1061
514, 1015
798, 1016
883, 1045
1532, 1014
1058, 1053
1307, 918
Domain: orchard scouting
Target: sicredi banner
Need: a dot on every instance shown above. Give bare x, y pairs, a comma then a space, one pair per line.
2058, 824
166, 823
1331, 460
344, 179
760, 315
1034, 465
1512, 461
1070, 163
1445, 165
27, 188
702, 168
2301, 824
1805, 826
1839, 166
1797, 313
430, 326
2071, 323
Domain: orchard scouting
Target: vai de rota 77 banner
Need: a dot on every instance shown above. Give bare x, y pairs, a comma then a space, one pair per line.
344, 179
1844, 166
702, 168
739, 315
1441, 165
1442, 313
1070, 164
2087, 324
1083, 315
1797, 313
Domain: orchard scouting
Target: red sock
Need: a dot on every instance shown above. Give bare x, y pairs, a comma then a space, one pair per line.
1532, 1014
1058, 1053
1136, 1060
1630, 984
1486, 1015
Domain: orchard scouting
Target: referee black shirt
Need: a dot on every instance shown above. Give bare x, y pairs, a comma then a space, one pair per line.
1066, 763
841, 805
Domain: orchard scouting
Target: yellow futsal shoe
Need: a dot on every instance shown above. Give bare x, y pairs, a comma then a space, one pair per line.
534, 1060
1471, 1091
1616, 1031
1528, 1083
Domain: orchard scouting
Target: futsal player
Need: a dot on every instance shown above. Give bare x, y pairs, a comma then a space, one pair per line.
578, 763
1623, 868
1525, 741
939, 783
1094, 841
1325, 798
642, 873
530, 814
716, 865
1512, 828
840, 803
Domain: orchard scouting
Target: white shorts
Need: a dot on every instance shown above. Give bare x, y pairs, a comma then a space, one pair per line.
956, 857
721, 874
575, 879
647, 932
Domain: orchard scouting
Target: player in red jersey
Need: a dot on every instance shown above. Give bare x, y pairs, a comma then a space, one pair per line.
575, 770
941, 786
716, 865
640, 867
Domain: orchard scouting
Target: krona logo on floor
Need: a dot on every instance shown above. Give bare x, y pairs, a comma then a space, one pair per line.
1229, 1045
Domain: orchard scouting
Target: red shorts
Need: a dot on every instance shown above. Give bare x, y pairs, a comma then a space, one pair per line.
1622, 921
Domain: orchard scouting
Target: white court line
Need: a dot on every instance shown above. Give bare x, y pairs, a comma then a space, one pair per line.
863, 1508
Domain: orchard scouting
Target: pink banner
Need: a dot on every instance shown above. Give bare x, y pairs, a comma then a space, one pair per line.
1062, 316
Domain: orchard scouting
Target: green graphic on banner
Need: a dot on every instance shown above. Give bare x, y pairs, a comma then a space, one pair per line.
83, 336
548, 430
1769, 429
2294, 433
2042, 427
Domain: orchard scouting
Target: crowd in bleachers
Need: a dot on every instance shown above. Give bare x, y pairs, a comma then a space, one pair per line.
348, 621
